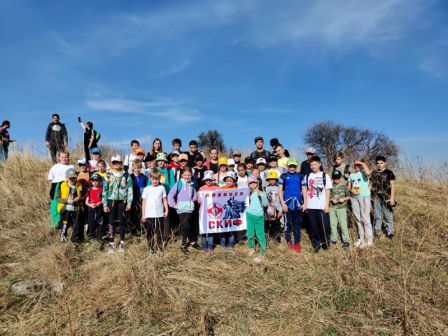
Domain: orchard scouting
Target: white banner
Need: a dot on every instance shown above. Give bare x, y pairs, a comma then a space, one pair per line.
223, 210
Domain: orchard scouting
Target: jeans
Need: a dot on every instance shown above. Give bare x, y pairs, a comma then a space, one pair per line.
361, 211
227, 239
293, 221
207, 241
382, 212
155, 226
255, 228
117, 209
319, 228
338, 217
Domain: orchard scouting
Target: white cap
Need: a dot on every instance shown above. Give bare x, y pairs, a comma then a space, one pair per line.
230, 162
311, 150
260, 160
116, 158
230, 174
82, 161
209, 175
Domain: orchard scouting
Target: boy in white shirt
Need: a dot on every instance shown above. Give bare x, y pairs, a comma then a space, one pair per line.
317, 204
154, 211
131, 156
57, 172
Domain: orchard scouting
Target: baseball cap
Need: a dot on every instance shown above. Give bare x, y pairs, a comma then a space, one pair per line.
260, 161
95, 150
175, 152
230, 174
272, 175
222, 161
208, 175
183, 156
230, 162
70, 173
311, 150
82, 161
161, 157
95, 176
336, 174
116, 158
252, 179
292, 162
258, 138
140, 151
236, 153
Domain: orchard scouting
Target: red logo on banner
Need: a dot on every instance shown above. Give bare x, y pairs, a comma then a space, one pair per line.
215, 210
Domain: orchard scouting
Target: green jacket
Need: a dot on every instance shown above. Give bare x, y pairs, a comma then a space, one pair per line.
117, 188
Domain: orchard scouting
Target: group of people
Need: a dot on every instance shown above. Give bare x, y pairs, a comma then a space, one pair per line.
158, 194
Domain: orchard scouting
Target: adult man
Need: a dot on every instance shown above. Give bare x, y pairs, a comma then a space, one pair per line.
56, 137
259, 152
305, 168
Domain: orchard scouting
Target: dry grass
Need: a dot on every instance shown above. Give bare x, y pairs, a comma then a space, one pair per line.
391, 289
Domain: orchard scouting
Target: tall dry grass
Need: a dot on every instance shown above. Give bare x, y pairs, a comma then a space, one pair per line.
394, 288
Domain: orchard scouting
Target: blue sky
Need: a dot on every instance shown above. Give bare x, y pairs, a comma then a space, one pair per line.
145, 69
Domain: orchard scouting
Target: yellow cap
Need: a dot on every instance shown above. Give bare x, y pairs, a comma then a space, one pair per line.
222, 161
272, 175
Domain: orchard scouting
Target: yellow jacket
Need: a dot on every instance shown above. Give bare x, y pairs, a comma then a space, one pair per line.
63, 193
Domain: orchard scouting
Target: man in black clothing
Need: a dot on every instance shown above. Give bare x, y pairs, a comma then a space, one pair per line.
305, 167
56, 138
194, 151
259, 152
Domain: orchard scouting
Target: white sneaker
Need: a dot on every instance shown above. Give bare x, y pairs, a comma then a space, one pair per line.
251, 252
121, 247
258, 260
369, 244
111, 248
359, 243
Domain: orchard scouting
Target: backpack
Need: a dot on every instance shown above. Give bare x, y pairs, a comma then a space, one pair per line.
97, 135
283, 177
324, 178
261, 203
346, 170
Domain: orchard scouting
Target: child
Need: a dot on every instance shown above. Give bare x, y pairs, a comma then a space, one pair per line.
242, 175
83, 175
182, 197
249, 164
261, 166
117, 198
154, 210
228, 238
149, 162
255, 219
213, 164
383, 191
183, 163
274, 210
231, 165
209, 180
69, 197
236, 157
139, 182
317, 203
358, 184
339, 196
90, 137
94, 204
166, 174
140, 153
291, 192
174, 159
101, 168
219, 176
96, 157
198, 171
229, 180
131, 156
57, 173
340, 165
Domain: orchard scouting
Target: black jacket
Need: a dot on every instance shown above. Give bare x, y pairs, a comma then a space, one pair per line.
56, 133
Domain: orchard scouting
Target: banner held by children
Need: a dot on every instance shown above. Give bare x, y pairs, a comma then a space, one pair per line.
223, 210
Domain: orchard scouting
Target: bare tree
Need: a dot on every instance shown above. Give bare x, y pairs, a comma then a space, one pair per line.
329, 138
211, 138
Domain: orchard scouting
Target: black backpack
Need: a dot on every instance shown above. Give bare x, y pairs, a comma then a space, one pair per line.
323, 175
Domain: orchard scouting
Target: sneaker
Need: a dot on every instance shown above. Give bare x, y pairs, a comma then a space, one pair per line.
333, 242
390, 236
359, 243
297, 247
251, 252
63, 238
111, 248
377, 234
369, 244
316, 249
346, 245
258, 260
121, 247
195, 245
184, 250
290, 246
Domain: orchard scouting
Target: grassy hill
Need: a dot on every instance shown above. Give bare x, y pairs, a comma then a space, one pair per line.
394, 288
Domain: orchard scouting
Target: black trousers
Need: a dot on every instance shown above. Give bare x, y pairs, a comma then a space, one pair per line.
87, 151
95, 220
185, 226
273, 229
155, 226
54, 149
135, 215
116, 214
74, 219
